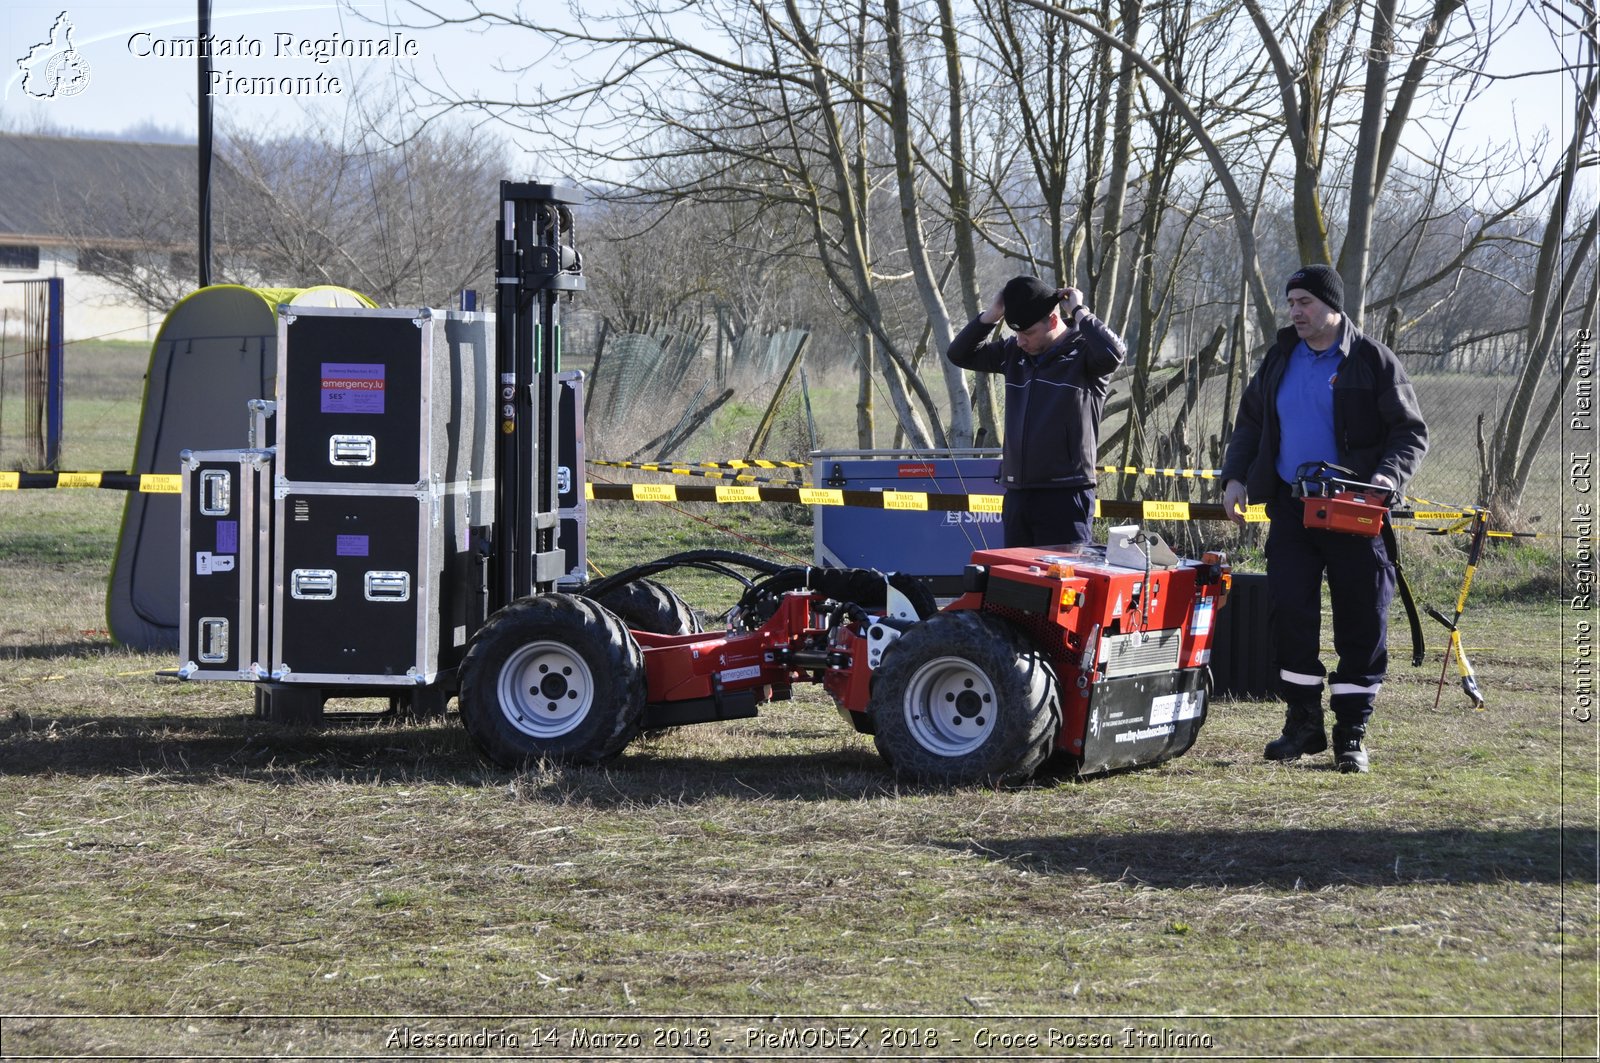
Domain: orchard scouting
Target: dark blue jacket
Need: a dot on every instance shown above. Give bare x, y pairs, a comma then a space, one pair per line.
1377, 423
1053, 401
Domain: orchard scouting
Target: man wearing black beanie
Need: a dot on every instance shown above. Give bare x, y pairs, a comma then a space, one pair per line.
1325, 392
1057, 367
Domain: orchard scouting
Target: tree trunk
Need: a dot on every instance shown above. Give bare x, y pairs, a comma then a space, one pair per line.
958, 427
1357, 249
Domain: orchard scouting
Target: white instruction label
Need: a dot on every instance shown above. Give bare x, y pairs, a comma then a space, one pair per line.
1170, 708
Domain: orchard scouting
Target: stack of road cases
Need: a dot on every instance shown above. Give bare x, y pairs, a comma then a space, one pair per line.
223, 585
381, 496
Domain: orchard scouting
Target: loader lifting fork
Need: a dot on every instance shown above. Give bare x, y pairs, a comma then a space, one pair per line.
536, 261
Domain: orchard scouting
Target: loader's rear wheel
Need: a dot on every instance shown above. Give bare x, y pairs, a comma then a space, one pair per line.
556, 677
963, 698
645, 605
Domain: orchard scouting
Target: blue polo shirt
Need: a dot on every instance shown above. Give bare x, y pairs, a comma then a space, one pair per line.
1305, 409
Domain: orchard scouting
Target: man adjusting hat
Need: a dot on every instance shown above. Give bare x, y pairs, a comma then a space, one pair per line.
1057, 364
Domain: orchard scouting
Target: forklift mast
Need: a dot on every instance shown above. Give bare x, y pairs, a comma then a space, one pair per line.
536, 261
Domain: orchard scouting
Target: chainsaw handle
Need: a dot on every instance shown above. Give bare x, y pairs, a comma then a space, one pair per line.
1316, 479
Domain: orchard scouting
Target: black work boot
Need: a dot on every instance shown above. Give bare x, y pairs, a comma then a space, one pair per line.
1302, 732
1349, 755
1351, 710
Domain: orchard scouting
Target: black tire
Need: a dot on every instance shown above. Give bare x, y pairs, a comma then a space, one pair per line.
964, 698
645, 605
553, 677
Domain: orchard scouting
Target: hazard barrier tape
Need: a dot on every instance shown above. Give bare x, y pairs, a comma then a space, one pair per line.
145, 483
1150, 470
755, 489
763, 463
1144, 509
1148, 509
680, 470
674, 466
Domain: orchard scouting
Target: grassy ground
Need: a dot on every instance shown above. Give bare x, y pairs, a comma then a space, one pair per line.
166, 855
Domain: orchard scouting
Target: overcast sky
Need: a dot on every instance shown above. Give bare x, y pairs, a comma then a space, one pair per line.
130, 83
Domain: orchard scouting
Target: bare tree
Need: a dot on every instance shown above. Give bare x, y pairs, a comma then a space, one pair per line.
1564, 288
402, 220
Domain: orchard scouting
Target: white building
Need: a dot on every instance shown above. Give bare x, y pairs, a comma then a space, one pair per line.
72, 206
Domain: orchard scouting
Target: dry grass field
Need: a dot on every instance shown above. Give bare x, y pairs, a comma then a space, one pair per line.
183, 881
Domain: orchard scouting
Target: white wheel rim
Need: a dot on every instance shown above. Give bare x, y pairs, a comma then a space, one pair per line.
545, 689
950, 706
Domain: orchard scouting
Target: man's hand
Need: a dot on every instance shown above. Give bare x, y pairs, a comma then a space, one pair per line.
996, 311
1380, 480
1234, 501
1071, 299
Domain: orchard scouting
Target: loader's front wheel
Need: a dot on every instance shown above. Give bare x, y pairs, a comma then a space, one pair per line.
553, 677
961, 698
646, 605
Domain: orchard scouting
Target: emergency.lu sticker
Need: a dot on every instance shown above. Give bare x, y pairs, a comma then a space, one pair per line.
352, 387
1170, 708
1200, 624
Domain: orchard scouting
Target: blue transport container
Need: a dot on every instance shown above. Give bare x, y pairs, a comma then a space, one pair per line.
932, 544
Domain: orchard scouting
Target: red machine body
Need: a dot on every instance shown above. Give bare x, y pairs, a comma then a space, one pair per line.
1129, 647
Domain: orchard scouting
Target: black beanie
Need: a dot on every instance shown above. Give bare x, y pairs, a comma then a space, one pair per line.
1028, 300
1321, 281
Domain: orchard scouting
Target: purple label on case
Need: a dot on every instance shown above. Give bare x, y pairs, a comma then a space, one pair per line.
350, 546
227, 537
352, 387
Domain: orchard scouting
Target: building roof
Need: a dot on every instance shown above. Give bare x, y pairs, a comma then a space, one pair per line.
57, 188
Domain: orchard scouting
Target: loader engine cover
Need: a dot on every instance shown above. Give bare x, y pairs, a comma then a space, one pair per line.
1131, 645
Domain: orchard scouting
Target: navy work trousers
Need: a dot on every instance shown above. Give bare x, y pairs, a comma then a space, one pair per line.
1048, 516
1361, 584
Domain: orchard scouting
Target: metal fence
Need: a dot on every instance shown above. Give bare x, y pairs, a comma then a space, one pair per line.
31, 384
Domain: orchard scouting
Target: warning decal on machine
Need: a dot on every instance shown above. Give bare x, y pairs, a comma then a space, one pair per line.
352, 387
